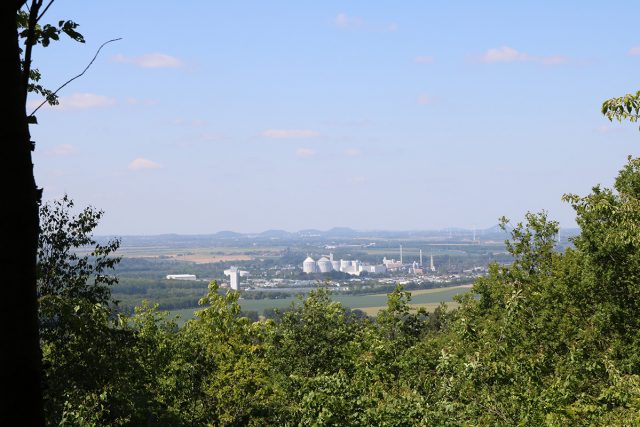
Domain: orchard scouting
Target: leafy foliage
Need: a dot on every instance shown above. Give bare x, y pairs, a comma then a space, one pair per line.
62, 269
32, 33
625, 107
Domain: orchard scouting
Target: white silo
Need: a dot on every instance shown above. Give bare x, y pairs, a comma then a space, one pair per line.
324, 265
335, 265
344, 264
309, 265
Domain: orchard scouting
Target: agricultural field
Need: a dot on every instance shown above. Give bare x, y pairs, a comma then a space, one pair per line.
370, 304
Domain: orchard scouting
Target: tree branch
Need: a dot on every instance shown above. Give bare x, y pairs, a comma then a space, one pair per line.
79, 75
45, 10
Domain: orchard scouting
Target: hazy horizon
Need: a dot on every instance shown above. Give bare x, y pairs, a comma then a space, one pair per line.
373, 231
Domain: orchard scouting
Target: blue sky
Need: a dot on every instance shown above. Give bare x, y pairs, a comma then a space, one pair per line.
248, 116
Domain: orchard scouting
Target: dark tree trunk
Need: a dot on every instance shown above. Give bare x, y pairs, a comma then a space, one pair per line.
20, 366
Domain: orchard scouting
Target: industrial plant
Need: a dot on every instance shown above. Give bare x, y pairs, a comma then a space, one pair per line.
355, 267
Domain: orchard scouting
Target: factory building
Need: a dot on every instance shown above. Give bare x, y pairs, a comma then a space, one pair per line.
327, 265
181, 277
375, 269
309, 265
324, 265
391, 264
353, 268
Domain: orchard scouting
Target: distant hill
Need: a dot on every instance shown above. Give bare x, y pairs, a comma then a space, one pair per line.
334, 234
276, 234
341, 232
227, 235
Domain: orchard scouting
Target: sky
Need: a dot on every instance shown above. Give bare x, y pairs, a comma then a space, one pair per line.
415, 115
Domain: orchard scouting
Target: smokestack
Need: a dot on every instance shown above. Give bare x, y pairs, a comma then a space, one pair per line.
400, 254
420, 257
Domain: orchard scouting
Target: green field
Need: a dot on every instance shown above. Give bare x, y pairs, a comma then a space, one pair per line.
168, 250
370, 304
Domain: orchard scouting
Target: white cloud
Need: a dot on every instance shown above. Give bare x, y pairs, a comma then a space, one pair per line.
503, 54
424, 59
77, 101
634, 51
86, 100
141, 164
289, 133
425, 99
359, 179
344, 21
62, 150
352, 152
151, 60
305, 152
509, 54
80, 101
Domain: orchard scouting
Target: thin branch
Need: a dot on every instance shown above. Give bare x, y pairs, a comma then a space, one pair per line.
79, 75
45, 10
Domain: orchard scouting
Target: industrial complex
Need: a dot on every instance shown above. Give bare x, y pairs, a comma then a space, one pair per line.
354, 267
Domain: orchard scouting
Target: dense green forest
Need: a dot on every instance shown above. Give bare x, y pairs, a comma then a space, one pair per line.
550, 339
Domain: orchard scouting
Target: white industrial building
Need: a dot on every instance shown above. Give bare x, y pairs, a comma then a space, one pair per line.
324, 265
391, 264
375, 269
181, 277
234, 278
309, 265
327, 265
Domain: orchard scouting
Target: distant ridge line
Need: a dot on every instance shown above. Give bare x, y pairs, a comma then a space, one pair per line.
335, 233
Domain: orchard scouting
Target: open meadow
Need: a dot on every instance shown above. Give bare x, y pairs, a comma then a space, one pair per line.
370, 304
